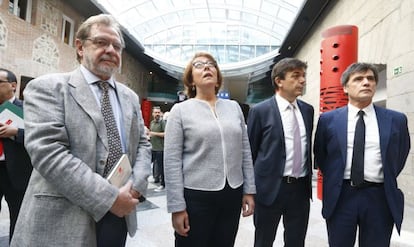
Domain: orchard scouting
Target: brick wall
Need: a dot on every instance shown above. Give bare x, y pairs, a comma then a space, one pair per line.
36, 48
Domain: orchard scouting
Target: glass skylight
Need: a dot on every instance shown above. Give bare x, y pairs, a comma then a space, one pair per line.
239, 33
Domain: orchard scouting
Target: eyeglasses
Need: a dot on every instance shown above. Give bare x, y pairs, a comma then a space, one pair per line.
3, 81
202, 65
104, 43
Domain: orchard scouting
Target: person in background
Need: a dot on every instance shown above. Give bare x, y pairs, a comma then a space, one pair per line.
208, 168
78, 124
15, 166
280, 130
360, 149
157, 127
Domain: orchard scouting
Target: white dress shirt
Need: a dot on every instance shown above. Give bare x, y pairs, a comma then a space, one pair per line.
373, 170
287, 120
116, 106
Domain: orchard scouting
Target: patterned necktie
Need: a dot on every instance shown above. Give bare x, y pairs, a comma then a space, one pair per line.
114, 141
357, 169
297, 146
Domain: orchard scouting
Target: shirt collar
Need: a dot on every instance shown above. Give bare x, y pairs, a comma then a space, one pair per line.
353, 111
11, 100
92, 78
284, 104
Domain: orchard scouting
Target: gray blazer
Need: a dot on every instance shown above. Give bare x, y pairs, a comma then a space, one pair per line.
203, 151
66, 138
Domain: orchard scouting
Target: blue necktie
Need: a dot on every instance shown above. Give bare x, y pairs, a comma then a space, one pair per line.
357, 169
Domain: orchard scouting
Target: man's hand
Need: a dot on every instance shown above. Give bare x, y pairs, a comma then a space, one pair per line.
7, 131
181, 223
135, 194
125, 202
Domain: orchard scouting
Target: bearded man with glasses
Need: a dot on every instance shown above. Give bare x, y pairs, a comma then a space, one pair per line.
78, 124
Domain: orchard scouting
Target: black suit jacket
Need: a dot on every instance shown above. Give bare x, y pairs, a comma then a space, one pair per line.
18, 165
267, 142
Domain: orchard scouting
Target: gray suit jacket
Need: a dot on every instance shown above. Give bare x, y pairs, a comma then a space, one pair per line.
66, 138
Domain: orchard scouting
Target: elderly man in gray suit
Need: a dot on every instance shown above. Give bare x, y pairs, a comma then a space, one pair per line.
68, 201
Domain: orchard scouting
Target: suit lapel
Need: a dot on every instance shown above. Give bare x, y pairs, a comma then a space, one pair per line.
278, 119
306, 117
341, 128
384, 127
127, 112
82, 94
18, 102
278, 126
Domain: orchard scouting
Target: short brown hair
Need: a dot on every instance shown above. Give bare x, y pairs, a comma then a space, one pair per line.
188, 74
285, 65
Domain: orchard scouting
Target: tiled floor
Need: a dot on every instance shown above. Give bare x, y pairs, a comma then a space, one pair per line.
155, 229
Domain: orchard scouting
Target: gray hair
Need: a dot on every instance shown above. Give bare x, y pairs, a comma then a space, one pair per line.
102, 19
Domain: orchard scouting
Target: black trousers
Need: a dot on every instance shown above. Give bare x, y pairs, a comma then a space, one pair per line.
158, 166
13, 196
111, 231
293, 203
214, 217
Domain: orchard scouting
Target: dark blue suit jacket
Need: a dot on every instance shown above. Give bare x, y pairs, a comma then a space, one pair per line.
19, 166
267, 142
330, 149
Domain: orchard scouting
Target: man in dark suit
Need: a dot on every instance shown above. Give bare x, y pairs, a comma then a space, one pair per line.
282, 157
373, 204
15, 166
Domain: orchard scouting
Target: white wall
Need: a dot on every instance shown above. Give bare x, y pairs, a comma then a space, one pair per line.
386, 36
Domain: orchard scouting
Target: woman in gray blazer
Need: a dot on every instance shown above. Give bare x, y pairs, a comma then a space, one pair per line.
208, 166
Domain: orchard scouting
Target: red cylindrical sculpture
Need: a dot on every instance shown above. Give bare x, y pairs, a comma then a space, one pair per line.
339, 49
146, 109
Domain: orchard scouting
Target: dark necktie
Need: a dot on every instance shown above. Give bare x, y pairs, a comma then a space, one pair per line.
297, 146
114, 141
357, 169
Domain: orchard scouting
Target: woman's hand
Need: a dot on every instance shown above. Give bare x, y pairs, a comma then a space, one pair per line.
181, 223
247, 205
